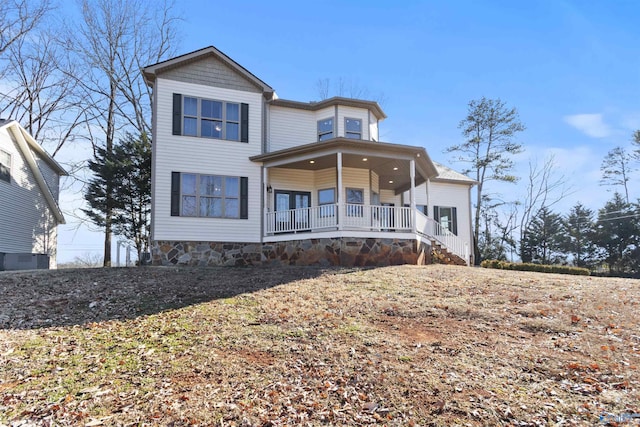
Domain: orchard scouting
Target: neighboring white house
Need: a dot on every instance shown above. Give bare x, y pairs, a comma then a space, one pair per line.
242, 177
29, 211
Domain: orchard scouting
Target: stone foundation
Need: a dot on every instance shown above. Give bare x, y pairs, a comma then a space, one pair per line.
345, 251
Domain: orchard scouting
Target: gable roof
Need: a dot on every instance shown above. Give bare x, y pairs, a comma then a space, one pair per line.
151, 71
26, 144
329, 102
446, 174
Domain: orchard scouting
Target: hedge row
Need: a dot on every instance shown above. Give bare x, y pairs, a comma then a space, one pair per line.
560, 269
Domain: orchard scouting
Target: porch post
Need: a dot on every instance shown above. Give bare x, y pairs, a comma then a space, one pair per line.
412, 194
265, 199
340, 195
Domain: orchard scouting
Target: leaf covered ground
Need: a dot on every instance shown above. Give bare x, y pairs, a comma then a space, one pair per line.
396, 346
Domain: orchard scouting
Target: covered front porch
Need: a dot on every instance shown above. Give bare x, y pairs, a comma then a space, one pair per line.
344, 187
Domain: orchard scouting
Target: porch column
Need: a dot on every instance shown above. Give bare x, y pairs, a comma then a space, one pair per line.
340, 195
412, 193
265, 199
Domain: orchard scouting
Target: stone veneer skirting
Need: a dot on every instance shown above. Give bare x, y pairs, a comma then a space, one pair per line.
339, 251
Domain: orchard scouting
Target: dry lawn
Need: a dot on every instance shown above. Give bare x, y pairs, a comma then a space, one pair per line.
397, 346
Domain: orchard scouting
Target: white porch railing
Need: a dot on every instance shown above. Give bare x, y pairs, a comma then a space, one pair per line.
363, 217
432, 229
334, 216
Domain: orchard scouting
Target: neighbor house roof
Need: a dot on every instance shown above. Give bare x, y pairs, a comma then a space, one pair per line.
151, 71
27, 144
336, 100
446, 174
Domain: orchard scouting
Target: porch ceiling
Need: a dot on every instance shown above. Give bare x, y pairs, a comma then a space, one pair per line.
391, 162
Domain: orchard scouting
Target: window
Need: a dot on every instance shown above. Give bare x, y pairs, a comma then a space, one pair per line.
447, 217
327, 200
353, 128
208, 118
5, 166
211, 196
355, 196
325, 129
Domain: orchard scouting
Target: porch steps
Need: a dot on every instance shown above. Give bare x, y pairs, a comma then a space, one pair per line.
440, 255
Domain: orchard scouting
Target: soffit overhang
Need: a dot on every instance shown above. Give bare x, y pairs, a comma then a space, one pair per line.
391, 162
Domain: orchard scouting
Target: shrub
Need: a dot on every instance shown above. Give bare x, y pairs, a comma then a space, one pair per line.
540, 268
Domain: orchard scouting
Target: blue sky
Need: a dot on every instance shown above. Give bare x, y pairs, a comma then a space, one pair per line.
571, 68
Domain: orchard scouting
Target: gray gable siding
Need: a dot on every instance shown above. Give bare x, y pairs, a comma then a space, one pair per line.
210, 71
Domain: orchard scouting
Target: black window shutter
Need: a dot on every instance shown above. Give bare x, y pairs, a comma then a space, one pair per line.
454, 221
175, 193
244, 122
436, 213
177, 114
244, 197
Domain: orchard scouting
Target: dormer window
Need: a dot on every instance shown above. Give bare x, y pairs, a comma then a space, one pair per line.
353, 128
325, 129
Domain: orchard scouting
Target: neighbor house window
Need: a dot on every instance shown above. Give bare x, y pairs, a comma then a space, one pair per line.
5, 166
447, 217
209, 118
353, 128
325, 129
213, 196
326, 201
355, 196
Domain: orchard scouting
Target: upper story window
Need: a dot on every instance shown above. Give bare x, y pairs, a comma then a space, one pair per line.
325, 129
353, 128
5, 166
210, 118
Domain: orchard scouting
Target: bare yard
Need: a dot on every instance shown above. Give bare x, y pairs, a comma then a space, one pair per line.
392, 346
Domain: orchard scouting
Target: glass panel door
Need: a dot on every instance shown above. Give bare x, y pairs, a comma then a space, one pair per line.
291, 214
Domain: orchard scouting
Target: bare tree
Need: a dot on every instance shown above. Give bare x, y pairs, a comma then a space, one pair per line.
114, 39
545, 188
616, 169
18, 18
489, 129
42, 96
346, 88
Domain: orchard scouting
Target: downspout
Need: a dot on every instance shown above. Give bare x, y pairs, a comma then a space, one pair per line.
471, 255
412, 194
340, 196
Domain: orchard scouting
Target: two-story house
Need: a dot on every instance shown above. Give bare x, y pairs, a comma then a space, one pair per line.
242, 177
29, 211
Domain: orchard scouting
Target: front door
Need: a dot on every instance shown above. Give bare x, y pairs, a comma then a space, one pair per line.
387, 220
292, 207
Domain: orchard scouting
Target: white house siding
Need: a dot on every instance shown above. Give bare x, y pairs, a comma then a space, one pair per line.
356, 178
353, 113
26, 222
326, 178
289, 127
375, 182
389, 196
373, 128
300, 180
454, 195
207, 156
421, 195
291, 180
